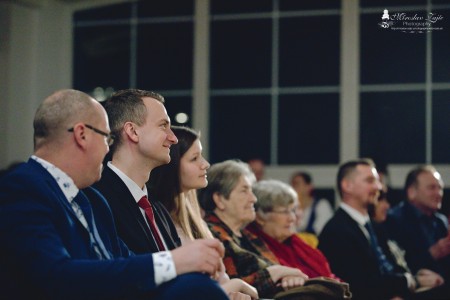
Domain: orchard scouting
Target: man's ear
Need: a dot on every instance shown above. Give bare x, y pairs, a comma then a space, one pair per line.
346, 185
79, 135
130, 130
218, 201
411, 192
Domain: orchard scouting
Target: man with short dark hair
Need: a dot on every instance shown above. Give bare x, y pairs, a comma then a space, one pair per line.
141, 125
349, 243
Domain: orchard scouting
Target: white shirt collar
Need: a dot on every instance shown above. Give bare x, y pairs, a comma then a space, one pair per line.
66, 183
135, 190
354, 214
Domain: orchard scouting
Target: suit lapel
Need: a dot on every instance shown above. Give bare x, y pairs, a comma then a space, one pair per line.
135, 217
354, 226
53, 185
86, 207
163, 226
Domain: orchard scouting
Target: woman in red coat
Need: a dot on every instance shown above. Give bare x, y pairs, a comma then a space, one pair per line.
275, 224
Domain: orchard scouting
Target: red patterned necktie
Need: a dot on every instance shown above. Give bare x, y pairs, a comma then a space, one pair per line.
147, 207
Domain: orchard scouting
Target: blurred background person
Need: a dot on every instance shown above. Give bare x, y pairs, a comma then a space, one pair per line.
428, 282
418, 227
257, 166
350, 244
316, 212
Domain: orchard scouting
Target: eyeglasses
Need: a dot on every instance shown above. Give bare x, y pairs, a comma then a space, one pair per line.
109, 136
292, 211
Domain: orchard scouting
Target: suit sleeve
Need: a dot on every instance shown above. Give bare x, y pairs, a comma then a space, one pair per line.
43, 249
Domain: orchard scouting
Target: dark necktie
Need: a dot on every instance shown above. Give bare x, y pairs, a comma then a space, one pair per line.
384, 265
96, 242
147, 207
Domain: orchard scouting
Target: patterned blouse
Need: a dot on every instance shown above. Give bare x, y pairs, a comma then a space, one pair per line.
246, 257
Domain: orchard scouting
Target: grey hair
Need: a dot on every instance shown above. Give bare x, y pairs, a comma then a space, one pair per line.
272, 193
222, 179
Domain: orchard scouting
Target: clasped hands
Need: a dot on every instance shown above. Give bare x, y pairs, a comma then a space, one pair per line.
205, 256
287, 277
441, 249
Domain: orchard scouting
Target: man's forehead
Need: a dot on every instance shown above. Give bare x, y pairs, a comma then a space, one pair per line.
365, 168
375, 173
298, 179
437, 175
149, 101
156, 109
430, 175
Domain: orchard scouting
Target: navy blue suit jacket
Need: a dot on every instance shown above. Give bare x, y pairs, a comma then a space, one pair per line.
352, 259
131, 225
46, 252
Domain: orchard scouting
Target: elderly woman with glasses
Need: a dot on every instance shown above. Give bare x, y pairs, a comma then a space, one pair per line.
228, 201
275, 225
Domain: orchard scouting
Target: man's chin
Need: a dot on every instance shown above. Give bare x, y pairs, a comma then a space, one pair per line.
164, 160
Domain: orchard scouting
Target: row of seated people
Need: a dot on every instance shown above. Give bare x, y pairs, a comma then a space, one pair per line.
59, 237
109, 241
351, 249
53, 240
55, 156
380, 258
415, 231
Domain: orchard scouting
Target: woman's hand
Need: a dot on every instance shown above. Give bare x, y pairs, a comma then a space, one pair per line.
237, 285
288, 277
428, 278
290, 282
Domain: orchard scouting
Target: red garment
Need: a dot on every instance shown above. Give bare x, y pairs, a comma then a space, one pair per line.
294, 252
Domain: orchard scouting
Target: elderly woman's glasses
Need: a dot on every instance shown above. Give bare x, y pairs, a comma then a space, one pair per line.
109, 136
292, 211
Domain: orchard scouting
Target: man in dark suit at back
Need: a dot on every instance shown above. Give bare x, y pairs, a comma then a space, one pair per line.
59, 244
418, 227
347, 242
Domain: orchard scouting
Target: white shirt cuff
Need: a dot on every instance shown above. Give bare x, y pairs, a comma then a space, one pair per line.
411, 281
164, 267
